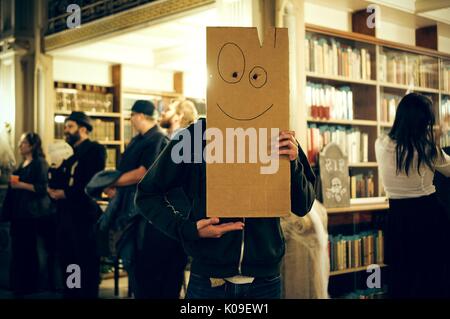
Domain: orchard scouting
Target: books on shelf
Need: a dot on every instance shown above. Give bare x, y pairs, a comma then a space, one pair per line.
362, 185
408, 69
373, 293
103, 130
85, 98
389, 104
446, 78
353, 142
329, 102
355, 251
111, 157
328, 56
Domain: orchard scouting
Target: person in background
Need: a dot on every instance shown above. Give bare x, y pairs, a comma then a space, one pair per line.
154, 255
77, 212
417, 237
178, 115
27, 207
221, 266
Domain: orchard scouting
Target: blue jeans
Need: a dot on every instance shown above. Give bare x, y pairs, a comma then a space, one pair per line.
261, 288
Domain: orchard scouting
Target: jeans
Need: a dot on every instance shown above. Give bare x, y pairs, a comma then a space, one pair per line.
261, 288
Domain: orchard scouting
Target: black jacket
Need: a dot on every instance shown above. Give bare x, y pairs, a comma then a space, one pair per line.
20, 203
262, 239
88, 159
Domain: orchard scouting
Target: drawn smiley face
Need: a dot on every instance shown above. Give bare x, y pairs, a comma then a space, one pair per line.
232, 68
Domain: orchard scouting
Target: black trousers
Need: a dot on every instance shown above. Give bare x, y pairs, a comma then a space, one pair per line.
78, 246
33, 263
159, 266
417, 248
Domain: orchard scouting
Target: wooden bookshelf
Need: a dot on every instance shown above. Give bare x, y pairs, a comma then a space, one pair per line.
358, 208
341, 79
351, 270
91, 114
343, 122
407, 87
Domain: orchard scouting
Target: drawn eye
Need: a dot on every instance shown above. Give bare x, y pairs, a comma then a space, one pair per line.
258, 77
231, 63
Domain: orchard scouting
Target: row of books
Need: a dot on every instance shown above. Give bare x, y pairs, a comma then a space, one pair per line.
445, 110
111, 157
408, 69
326, 101
103, 130
348, 252
362, 185
373, 293
446, 78
330, 57
84, 101
388, 107
353, 142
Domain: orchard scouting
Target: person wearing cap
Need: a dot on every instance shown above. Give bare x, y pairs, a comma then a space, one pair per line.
77, 212
149, 269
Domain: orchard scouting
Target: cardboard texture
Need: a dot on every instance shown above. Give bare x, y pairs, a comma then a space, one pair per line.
334, 177
248, 88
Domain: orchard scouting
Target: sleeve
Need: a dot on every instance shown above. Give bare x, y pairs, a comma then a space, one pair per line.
302, 184
163, 176
150, 154
93, 162
40, 177
443, 164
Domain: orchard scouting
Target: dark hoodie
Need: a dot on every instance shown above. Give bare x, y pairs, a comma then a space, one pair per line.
256, 251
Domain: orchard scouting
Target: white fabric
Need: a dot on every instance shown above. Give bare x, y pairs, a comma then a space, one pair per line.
306, 264
240, 280
400, 185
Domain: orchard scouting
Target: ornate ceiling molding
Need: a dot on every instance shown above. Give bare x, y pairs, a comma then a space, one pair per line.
121, 21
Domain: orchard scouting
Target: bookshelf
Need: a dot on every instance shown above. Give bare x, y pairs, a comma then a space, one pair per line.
354, 83
109, 108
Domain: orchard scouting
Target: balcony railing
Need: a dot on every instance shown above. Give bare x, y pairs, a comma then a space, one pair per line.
90, 11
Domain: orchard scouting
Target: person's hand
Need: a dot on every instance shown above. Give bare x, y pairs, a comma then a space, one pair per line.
110, 191
16, 185
288, 145
56, 194
208, 228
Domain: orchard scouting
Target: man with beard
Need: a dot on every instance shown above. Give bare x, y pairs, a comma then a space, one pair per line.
77, 213
178, 115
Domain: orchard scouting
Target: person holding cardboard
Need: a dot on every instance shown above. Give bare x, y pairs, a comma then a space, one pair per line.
232, 230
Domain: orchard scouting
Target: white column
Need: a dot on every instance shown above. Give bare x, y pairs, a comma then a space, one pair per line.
290, 14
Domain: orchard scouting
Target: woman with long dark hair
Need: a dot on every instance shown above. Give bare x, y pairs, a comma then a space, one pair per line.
417, 238
26, 207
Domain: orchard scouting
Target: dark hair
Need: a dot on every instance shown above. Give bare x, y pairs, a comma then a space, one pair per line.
36, 144
413, 132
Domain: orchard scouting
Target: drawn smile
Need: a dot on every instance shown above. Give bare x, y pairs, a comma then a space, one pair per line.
244, 119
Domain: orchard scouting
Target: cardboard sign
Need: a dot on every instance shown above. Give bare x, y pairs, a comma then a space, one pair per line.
334, 177
247, 107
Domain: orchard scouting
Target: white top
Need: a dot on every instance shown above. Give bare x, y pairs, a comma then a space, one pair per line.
401, 185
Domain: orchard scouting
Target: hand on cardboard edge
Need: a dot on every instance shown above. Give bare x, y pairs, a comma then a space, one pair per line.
208, 228
287, 145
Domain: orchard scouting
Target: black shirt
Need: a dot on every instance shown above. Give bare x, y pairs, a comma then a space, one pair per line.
88, 159
143, 150
34, 173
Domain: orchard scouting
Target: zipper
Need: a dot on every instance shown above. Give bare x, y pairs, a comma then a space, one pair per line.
242, 250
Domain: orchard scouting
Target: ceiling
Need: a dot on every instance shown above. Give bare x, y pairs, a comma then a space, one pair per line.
180, 44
